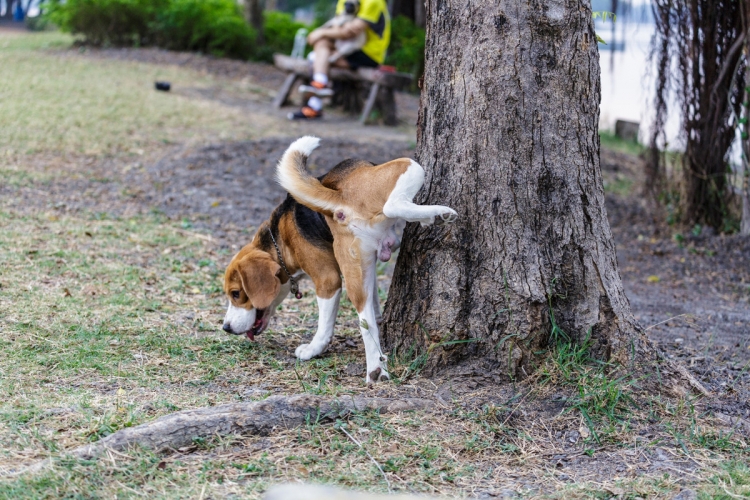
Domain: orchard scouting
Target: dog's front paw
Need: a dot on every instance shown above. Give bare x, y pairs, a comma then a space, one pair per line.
306, 351
377, 375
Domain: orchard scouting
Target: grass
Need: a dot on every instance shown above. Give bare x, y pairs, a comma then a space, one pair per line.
51, 100
610, 141
108, 322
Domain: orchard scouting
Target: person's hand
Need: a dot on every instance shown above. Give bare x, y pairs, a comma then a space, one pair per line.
315, 36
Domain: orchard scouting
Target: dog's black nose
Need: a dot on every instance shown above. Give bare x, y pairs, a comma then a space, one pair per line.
227, 328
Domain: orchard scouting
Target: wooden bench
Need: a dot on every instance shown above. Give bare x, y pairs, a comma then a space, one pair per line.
383, 83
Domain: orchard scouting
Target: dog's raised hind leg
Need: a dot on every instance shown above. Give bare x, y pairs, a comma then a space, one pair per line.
400, 206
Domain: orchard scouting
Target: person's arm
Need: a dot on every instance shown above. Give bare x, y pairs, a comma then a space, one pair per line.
349, 30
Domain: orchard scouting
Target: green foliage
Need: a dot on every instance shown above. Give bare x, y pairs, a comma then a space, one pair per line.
324, 10
106, 22
278, 30
406, 52
210, 26
604, 15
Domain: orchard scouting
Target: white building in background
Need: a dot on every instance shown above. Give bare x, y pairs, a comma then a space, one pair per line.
628, 77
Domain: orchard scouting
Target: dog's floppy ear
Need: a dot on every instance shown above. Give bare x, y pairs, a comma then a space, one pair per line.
260, 279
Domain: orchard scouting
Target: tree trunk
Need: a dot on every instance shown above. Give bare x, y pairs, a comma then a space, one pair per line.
254, 17
703, 37
413, 9
745, 181
745, 193
8, 14
420, 18
508, 136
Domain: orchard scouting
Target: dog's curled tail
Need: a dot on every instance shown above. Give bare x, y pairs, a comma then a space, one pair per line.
294, 177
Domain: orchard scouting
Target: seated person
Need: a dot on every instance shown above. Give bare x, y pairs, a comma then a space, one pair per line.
373, 20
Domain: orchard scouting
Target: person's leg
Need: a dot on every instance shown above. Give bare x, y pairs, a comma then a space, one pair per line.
318, 88
323, 50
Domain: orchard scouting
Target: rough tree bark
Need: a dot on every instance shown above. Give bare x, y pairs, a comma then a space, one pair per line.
745, 181
508, 136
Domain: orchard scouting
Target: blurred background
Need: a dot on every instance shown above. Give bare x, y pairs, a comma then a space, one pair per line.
672, 73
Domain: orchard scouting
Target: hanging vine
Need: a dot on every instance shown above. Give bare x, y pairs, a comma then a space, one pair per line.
698, 53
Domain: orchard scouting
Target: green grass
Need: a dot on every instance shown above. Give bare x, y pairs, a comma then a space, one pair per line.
51, 100
608, 140
107, 323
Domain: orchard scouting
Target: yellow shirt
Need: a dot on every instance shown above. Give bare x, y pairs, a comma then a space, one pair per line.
375, 14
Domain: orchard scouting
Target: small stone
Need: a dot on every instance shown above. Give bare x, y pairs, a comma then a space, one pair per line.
686, 494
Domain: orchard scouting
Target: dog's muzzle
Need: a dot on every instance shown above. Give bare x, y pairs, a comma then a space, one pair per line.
260, 324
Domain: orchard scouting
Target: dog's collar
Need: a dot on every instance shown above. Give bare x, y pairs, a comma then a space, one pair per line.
295, 286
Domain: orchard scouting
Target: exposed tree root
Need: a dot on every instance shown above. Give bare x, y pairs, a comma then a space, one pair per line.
260, 417
671, 374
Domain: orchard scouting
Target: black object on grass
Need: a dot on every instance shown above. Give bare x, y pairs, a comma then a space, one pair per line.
163, 86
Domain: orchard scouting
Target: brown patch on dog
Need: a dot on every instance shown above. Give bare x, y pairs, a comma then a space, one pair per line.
352, 263
364, 188
255, 275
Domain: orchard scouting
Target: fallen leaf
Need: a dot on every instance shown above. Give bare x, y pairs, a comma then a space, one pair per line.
67, 292
215, 204
653, 279
88, 233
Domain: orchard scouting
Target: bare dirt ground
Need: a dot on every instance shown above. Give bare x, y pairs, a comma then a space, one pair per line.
691, 293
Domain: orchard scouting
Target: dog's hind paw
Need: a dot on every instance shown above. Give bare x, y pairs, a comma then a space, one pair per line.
446, 218
377, 375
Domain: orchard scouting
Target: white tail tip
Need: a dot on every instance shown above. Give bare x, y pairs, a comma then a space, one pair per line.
305, 145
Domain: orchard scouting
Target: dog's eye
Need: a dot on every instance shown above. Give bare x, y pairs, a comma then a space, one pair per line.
236, 295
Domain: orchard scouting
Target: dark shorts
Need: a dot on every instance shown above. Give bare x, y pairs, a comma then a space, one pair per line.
359, 59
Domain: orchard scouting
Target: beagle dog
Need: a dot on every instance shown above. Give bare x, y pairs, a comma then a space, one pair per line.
336, 225
346, 46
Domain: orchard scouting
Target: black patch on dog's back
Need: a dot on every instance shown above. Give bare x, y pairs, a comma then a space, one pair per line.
340, 171
311, 225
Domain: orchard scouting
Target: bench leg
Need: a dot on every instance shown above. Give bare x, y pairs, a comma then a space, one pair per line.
370, 103
283, 94
387, 106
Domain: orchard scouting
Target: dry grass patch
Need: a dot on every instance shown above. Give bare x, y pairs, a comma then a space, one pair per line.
51, 100
112, 323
